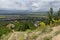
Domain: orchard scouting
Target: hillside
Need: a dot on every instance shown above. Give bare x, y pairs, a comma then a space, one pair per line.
53, 35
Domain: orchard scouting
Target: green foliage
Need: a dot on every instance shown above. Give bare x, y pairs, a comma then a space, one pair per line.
3, 23
51, 11
47, 21
44, 28
41, 27
30, 24
55, 22
18, 26
23, 26
28, 31
42, 24
50, 14
58, 14
4, 30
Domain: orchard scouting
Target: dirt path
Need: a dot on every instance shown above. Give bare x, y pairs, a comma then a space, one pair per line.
13, 36
56, 37
16, 35
55, 29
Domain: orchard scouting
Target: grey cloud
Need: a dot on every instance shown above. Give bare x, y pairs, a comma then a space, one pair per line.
14, 4
33, 5
45, 5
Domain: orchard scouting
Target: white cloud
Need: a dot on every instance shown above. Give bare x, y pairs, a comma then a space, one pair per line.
14, 4
29, 4
45, 4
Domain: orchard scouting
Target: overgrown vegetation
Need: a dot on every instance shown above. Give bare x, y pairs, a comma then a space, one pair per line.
4, 30
43, 26
23, 26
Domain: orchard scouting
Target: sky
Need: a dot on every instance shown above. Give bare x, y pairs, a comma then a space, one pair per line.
32, 5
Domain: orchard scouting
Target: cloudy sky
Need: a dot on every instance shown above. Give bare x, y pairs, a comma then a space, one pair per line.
33, 5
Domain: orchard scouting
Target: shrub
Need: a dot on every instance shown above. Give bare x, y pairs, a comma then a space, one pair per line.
42, 24
23, 26
3, 23
51, 24
4, 30
31, 25
19, 26
28, 30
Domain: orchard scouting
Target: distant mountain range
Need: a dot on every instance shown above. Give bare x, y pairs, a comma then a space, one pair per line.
14, 11
4, 12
